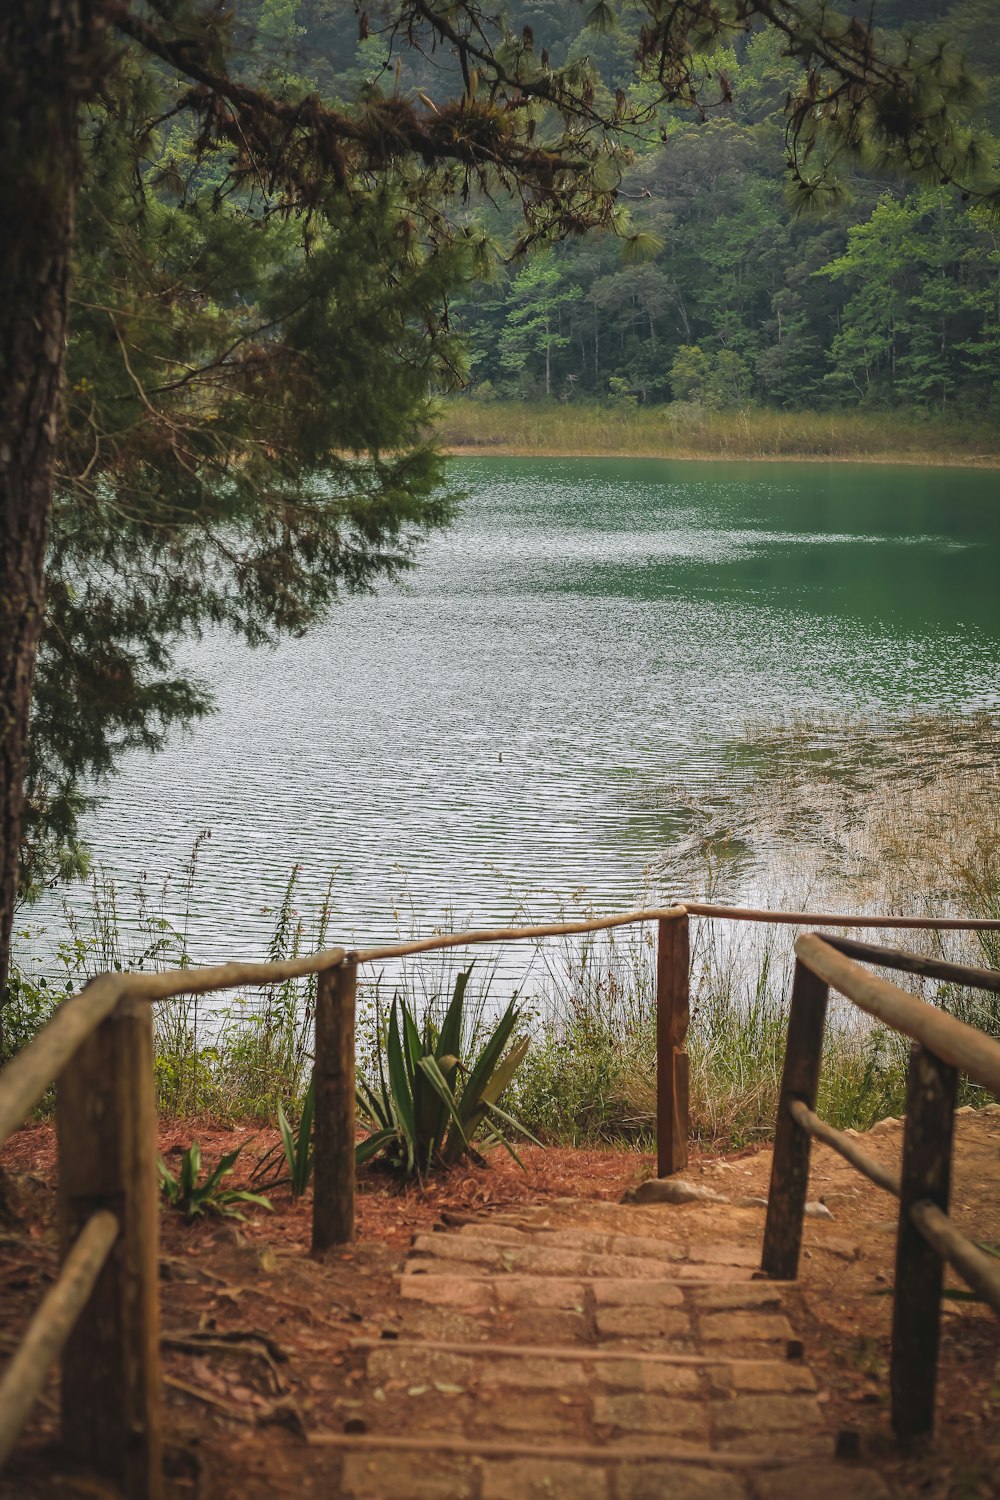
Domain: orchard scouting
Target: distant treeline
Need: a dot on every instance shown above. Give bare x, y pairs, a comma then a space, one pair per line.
890, 298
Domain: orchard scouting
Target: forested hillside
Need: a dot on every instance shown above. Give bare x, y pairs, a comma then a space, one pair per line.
888, 297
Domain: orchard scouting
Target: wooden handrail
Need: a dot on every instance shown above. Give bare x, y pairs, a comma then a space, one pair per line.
52, 1324
810, 1122
199, 981
841, 919
507, 934
916, 963
979, 1271
26, 1077
941, 1047
977, 1055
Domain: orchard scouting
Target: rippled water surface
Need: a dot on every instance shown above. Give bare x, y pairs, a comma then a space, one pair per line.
531, 710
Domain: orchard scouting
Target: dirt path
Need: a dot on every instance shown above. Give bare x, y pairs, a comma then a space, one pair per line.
636, 1344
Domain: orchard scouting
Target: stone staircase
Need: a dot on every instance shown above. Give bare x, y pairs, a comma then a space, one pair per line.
576, 1351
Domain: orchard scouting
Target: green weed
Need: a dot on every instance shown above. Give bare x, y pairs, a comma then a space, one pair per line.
194, 1199
295, 1150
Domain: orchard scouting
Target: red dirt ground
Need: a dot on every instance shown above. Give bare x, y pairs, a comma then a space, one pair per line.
235, 1417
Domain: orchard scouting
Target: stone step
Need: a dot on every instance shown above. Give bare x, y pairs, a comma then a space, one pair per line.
598, 1242
603, 1415
563, 1291
383, 1469
733, 1320
439, 1253
531, 1425
532, 1366
556, 1354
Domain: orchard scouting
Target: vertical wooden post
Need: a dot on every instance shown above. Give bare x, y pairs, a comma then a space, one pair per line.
931, 1089
790, 1164
673, 1013
106, 1124
333, 1120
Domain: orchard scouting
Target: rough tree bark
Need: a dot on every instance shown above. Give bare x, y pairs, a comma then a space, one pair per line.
47, 64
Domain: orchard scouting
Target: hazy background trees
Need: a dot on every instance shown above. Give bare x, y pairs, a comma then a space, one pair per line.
889, 298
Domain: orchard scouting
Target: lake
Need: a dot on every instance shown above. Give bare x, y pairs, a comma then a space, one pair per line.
537, 713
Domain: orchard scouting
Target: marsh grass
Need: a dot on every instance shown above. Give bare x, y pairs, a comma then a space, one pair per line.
876, 816
683, 430
234, 1056
590, 1076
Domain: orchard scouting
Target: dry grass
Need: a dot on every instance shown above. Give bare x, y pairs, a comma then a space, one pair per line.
553, 428
874, 816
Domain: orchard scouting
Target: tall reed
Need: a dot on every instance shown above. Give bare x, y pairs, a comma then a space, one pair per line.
683, 430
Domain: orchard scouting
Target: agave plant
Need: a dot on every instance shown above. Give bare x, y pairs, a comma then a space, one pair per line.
193, 1198
428, 1106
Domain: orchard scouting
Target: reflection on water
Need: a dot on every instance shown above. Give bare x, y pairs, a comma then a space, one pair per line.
490, 730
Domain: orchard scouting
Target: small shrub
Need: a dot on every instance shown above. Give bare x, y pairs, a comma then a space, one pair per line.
29, 1005
193, 1198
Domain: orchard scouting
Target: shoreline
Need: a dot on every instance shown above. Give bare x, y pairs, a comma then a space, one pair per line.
706, 455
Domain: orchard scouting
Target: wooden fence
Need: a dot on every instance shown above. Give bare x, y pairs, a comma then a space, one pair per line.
942, 1046
102, 1313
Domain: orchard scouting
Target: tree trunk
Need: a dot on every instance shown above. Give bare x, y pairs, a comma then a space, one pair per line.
46, 57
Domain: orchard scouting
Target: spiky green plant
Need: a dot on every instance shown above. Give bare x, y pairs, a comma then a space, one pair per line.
427, 1107
193, 1198
295, 1150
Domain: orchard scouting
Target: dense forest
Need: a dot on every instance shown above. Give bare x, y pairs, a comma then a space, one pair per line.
889, 295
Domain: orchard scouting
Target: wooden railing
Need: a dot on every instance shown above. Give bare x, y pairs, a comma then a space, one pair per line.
102, 1313
942, 1047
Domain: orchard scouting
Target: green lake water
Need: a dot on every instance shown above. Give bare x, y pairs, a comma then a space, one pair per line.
541, 707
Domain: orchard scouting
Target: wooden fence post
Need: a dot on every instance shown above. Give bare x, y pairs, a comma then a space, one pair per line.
106, 1123
931, 1090
790, 1164
333, 1120
673, 1013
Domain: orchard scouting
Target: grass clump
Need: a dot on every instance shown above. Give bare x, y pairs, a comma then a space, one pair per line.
295, 1152
234, 1057
194, 1199
593, 1035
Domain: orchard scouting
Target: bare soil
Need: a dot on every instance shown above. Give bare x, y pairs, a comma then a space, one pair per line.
238, 1406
